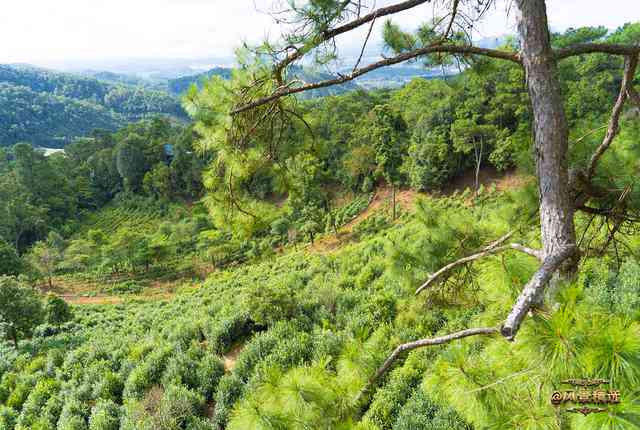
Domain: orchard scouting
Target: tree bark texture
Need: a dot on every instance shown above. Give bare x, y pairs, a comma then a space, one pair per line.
550, 128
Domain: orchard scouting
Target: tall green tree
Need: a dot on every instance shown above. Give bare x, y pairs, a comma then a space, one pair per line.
20, 310
470, 137
131, 165
46, 256
56, 310
10, 263
384, 131
21, 221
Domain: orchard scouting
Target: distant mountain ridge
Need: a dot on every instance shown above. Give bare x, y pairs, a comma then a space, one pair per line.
47, 108
180, 85
50, 108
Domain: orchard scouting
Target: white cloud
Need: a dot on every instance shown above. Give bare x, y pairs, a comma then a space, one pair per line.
45, 31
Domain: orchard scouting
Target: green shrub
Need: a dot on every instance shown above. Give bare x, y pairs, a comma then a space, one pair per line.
185, 333
371, 225
228, 331
51, 412
127, 287
178, 406
173, 408
284, 345
209, 372
8, 418
74, 415
370, 314
105, 415
230, 389
19, 395
109, 387
197, 369
147, 374
421, 413
369, 273
38, 398
618, 292
273, 302
7, 385
390, 398
56, 310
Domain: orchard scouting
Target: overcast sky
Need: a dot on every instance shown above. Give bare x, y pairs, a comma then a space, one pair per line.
45, 32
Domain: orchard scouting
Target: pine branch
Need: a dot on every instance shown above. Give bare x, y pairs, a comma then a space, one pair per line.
406, 347
596, 48
533, 291
528, 298
431, 49
492, 249
630, 66
330, 34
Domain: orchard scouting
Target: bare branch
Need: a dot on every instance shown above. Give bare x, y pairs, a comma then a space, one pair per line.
494, 248
364, 45
330, 34
631, 63
595, 48
537, 253
533, 291
431, 49
485, 331
633, 96
454, 12
530, 295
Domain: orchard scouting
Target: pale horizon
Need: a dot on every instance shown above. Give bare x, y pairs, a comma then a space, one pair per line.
77, 32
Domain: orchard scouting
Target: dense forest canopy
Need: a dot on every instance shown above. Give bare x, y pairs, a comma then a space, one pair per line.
296, 262
51, 109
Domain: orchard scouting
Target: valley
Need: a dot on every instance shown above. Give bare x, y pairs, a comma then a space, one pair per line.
443, 236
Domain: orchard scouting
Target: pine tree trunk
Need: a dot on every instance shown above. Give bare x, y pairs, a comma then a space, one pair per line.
393, 187
478, 165
550, 128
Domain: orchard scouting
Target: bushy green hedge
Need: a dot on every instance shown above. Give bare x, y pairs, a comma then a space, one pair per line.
422, 413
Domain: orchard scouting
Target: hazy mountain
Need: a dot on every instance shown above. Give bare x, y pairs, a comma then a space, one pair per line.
48, 108
180, 85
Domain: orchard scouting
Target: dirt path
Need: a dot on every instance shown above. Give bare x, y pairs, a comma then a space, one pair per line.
488, 177
231, 357
405, 199
98, 300
380, 201
112, 300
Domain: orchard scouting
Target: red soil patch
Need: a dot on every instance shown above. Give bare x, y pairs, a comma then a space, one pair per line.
382, 200
405, 200
98, 300
488, 176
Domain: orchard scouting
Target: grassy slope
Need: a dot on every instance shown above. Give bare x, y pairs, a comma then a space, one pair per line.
297, 335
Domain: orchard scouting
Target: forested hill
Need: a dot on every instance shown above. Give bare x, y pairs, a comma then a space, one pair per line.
181, 85
47, 108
